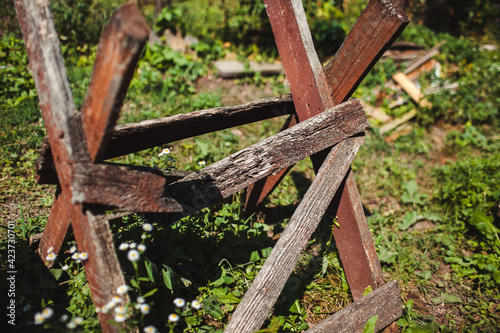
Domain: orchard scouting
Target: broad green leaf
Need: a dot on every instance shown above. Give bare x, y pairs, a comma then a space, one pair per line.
370, 325
168, 277
484, 224
446, 298
408, 220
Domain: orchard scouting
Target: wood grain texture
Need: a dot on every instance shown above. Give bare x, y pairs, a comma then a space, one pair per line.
385, 302
121, 44
267, 286
137, 189
130, 138
302, 67
380, 23
373, 33
227, 176
65, 134
354, 240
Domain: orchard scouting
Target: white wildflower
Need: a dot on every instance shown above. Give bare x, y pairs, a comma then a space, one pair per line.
173, 317
133, 255
165, 151
148, 227
179, 302
123, 247
150, 329
141, 247
145, 308
196, 305
47, 312
39, 319
121, 290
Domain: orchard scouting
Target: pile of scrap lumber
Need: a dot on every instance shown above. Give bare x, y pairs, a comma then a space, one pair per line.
406, 81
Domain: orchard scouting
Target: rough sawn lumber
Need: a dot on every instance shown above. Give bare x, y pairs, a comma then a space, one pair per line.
66, 137
130, 138
225, 177
267, 286
384, 302
121, 44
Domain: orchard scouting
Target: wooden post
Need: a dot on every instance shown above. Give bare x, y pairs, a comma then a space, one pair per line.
66, 137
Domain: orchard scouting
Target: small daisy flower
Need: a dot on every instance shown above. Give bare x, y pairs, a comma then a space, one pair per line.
179, 302
196, 305
39, 319
76, 256
145, 308
165, 151
71, 325
173, 317
202, 163
150, 329
78, 320
51, 249
47, 312
120, 317
105, 308
65, 268
51, 257
120, 309
72, 249
132, 245
115, 300
123, 247
63, 318
140, 300
84, 256
141, 247
133, 255
148, 227
121, 290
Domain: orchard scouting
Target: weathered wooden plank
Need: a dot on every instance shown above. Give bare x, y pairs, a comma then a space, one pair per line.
66, 138
354, 241
137, 189
231, 174
380, 23
384, 302
267, 286
146, 134
121, 44
373, 33
302, 67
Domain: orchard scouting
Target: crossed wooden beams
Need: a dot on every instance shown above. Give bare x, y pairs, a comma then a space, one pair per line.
79, 140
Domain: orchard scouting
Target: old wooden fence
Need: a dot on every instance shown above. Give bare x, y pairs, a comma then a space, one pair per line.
323, 124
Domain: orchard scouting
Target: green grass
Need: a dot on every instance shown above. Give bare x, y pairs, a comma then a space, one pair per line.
431, 195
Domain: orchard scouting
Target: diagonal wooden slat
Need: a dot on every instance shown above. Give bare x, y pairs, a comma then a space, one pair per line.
122, 41
267, 286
